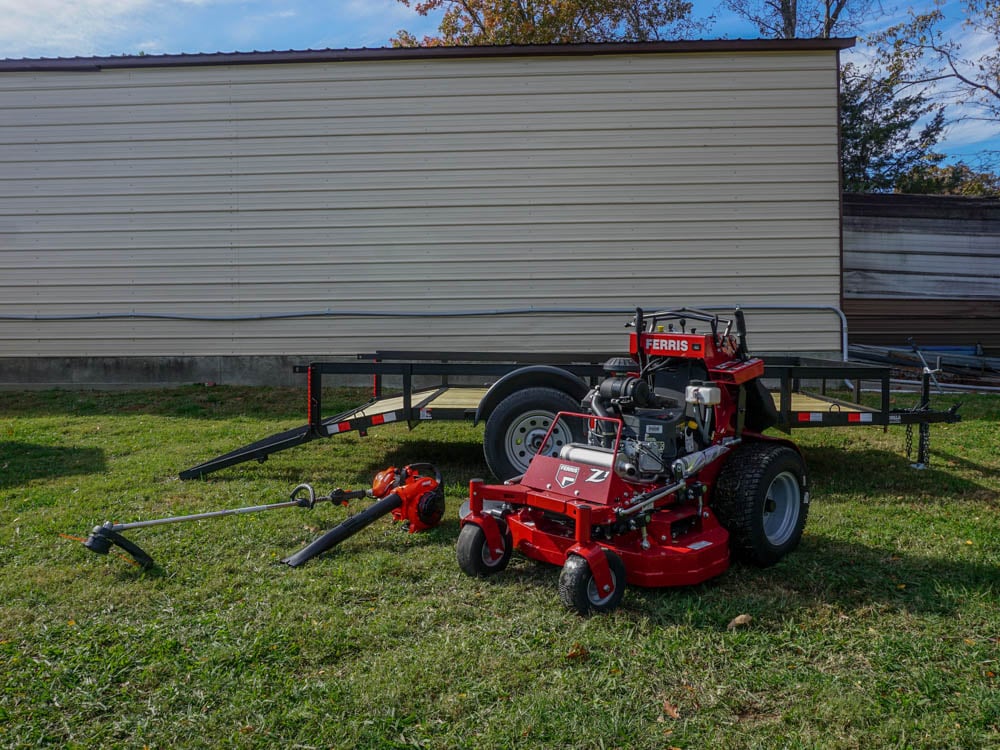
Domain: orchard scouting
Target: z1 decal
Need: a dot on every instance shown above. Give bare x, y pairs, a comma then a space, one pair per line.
598, 475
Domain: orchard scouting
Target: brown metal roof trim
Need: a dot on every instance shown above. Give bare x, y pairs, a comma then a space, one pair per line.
909, 206
418, 53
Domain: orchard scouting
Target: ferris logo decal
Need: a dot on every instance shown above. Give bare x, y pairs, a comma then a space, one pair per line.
667, 345
567, 475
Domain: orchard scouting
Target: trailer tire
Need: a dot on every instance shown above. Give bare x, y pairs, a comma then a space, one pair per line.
577, 588
475, 558
518, 425
760, 497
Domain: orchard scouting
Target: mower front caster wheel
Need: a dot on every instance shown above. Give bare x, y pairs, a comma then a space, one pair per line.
578, 590
475, 557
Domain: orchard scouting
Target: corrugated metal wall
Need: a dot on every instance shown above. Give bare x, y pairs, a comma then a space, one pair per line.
923, 266
416, 186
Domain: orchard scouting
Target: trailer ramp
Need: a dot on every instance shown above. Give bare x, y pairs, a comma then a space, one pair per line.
440, 402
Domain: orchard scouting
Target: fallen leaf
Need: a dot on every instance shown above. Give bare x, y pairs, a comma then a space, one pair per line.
578, 651
671, 711
739, 621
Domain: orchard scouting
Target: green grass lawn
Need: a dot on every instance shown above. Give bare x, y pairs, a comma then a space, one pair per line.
882, 630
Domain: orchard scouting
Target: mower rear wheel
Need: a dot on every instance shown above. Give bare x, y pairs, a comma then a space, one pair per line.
578, 590
517, 427
760, 498
475, 557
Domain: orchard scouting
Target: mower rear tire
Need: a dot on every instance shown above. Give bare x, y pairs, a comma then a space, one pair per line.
475, 557
760, 498
578, 590
516, 428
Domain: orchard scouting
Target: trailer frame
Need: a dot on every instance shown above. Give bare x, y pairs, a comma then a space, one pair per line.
797, 407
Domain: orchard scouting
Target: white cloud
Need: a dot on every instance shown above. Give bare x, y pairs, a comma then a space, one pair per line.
970, 134
60, 27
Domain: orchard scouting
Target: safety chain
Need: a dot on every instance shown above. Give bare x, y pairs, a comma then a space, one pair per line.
909, 442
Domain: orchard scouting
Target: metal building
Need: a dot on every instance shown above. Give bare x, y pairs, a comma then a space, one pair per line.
923, 265
158, 212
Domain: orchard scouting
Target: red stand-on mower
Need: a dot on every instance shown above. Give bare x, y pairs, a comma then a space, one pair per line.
662, 477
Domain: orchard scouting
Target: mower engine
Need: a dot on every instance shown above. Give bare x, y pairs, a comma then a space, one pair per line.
665, 463
657, 429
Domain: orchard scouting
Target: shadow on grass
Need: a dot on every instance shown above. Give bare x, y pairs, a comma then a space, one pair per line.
964, 463
22, 462
872, 471
823, 575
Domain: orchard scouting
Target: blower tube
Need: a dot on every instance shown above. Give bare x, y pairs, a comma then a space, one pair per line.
345, 530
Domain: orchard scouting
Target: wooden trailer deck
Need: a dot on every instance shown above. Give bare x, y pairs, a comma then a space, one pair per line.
461, 402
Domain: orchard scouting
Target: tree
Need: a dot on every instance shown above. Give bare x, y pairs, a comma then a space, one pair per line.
952, 179
498, 22
940, 62
885, 135
790, 19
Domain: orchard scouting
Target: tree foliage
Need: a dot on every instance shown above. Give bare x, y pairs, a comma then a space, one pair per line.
500, 22
951, 179
884, 134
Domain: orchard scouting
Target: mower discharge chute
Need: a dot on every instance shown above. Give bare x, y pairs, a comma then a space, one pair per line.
661, 477
413, 494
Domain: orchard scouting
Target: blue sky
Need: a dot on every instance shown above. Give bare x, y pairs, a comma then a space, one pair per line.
68, 28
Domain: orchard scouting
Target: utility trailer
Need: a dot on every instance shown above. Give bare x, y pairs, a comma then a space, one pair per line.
520, 395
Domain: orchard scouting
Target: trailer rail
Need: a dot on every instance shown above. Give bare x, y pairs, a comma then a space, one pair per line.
793, 382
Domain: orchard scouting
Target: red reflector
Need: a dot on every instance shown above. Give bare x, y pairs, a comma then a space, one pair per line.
378, 419
343, 427
803, 416
854, 417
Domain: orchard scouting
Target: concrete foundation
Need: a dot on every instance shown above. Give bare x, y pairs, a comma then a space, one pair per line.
103, 373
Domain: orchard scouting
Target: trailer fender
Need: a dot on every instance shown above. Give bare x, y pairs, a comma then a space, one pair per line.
530, 377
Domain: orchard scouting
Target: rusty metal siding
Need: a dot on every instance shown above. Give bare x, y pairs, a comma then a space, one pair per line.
922, 266
414, 186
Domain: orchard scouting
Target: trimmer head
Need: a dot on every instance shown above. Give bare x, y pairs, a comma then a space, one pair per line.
103, 537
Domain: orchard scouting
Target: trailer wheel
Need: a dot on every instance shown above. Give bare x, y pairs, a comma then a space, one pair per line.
475, 557
760, 497
516, 428
577, 588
